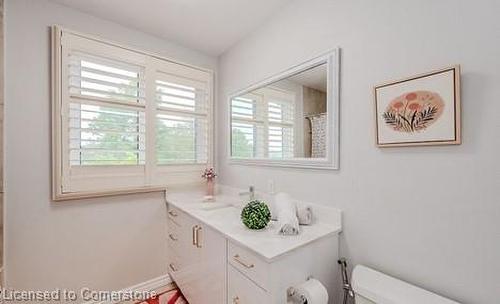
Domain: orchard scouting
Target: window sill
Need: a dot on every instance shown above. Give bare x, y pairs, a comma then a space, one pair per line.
65, 196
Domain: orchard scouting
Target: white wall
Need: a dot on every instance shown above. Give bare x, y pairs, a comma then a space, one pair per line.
429, 215
107, 243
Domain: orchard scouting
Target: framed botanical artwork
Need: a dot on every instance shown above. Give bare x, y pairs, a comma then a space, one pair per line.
420, 110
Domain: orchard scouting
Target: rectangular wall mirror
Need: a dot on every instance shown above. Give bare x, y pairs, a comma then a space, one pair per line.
290, 119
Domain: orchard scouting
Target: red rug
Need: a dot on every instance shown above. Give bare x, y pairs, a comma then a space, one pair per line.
169, 297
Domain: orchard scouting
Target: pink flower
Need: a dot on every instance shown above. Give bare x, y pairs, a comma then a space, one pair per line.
397, 105
411, 96
209, 174
414, 106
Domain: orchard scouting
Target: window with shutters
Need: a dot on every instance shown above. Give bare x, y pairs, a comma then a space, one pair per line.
106, 112
125, 121
262, 124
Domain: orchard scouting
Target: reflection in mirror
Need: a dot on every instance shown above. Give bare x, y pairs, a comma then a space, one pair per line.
283, 120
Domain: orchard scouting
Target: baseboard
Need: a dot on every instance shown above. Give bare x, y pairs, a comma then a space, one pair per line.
156, 284
151, 285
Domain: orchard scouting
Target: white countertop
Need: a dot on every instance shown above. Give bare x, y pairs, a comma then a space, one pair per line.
267, 242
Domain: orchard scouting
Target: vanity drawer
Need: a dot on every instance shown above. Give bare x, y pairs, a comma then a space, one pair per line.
240, 290
249, 264
175, 264
176, 216
175, 237
182, 239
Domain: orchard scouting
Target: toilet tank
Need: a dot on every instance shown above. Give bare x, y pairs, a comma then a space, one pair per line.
373, 287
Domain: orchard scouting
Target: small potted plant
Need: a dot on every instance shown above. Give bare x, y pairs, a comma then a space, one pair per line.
256, 215
209, 175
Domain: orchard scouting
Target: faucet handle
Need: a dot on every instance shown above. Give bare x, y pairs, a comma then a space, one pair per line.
250, 193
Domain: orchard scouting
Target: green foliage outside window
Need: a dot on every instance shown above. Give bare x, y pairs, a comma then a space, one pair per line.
241, 146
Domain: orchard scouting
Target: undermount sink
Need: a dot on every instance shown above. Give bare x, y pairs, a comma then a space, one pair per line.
223, 202
214, 205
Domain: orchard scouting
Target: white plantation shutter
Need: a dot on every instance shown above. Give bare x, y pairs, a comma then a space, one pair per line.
248, 126
125, 120
101, 135
244, 108
262, 124
106, 112
93, 76
280, 135
280, 142
182, 118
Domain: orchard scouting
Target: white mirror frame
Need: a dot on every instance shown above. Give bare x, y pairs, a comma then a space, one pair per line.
331, 161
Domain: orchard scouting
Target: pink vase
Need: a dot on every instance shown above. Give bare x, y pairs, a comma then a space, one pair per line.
210, 187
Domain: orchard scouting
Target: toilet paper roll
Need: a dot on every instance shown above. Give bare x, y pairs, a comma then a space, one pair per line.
313, 291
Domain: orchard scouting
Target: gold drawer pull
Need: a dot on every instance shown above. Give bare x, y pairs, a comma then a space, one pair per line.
195, 237
172, 237
172, 267
198, 237
238, 259
236, 300
172, 213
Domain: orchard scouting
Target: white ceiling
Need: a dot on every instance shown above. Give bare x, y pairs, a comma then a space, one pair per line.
210, 26
313, 78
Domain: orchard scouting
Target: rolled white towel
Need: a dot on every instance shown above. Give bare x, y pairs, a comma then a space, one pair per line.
288, 223
304, 214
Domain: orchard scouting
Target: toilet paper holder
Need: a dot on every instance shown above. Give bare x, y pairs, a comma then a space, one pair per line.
294, 296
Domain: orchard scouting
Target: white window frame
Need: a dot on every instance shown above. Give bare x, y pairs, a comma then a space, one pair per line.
103, 180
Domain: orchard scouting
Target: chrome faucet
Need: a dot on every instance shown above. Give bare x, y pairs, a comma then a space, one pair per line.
250, 193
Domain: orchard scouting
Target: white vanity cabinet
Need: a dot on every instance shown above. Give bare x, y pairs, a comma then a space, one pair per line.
251, 279
214, 259
196, 258
241, 290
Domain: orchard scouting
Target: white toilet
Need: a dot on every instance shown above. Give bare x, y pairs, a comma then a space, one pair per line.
373, 287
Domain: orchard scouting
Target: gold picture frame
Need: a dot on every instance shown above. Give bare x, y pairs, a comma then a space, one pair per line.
421, 110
